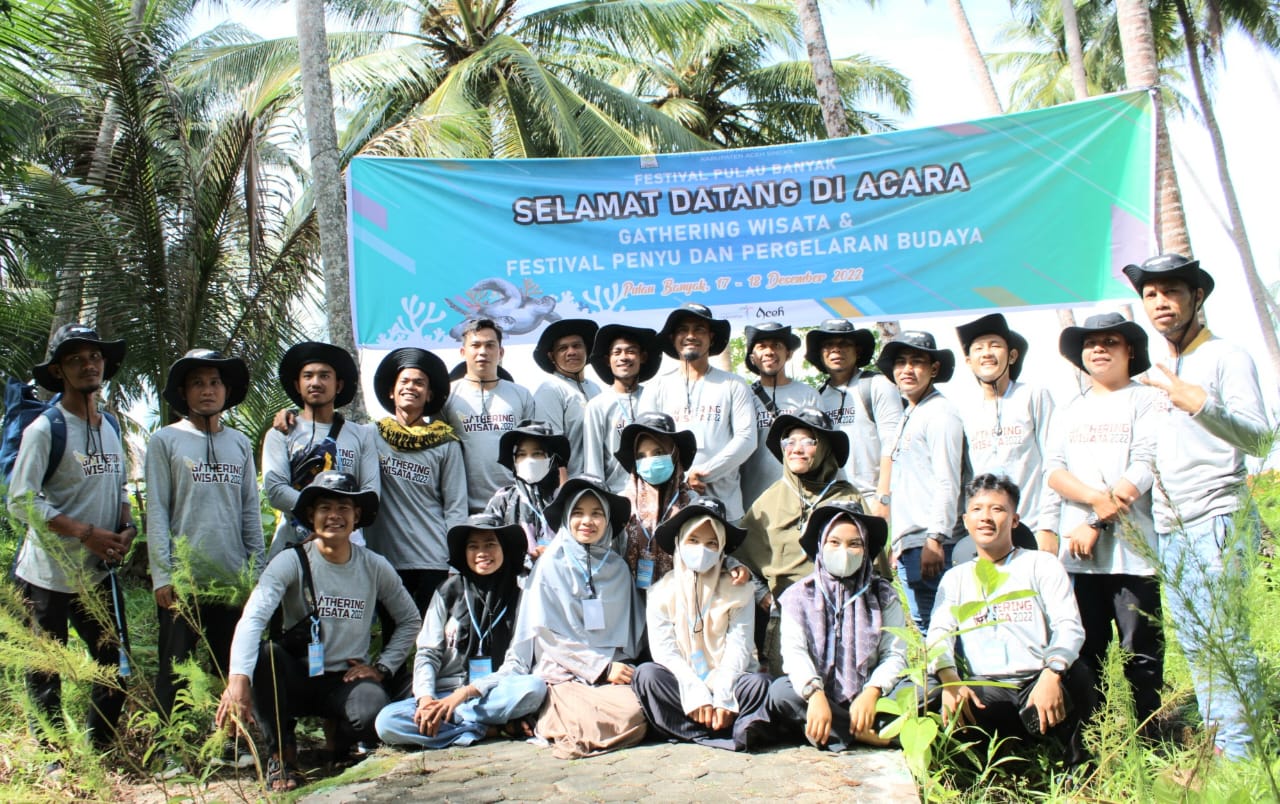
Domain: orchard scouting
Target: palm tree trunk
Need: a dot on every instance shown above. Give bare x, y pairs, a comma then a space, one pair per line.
326, 176
1137, 43
977, 64
824, 74
1240, 237
1075, 49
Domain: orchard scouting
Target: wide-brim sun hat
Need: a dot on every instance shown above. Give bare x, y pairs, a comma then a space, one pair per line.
771, 331
1071, 341
1169, 266
563, 328
331, 483
388, 371
233, 372
619, 506
719, 328
864, 342
994, 324
920, 342
555, 444
646, 338
511, 537
667, 532
874, 529
813, 420
72, 335
339, 359
655, 424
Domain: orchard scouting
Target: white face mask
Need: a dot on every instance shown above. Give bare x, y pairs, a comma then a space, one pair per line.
698, 558
841, 562
531, 470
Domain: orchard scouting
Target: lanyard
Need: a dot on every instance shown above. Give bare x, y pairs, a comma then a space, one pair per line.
493, 623
806, 507
529, 502
838, 613
648, 534
906, 417
586, 573
999, 428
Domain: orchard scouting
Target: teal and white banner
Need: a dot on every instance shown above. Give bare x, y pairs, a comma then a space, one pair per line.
1025, 210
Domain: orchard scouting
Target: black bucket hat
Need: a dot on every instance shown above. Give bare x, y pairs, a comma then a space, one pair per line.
332, 483
669, 531
299, 355
864, 342
1071, 341
921, 342
384, 379
772, 331
511, 537
562, 329
554, 443
71, 335
647, 338
460, 370
655, 424
1169, 266
810, 419
994, 324
232, 370
619, 506
719, 328
874, 528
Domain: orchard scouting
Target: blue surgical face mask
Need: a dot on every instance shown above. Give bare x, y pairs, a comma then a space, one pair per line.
656, 470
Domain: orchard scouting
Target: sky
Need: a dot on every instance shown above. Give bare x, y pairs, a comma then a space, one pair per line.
920, 40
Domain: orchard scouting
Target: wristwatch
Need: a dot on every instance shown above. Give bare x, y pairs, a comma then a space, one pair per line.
384, 670
814, 685
883, 499
1058, 666
1093, 521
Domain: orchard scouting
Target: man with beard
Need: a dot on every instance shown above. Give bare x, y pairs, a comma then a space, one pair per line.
79, 523
714, 404
562, 399
1214, 416
769, 348
624, 357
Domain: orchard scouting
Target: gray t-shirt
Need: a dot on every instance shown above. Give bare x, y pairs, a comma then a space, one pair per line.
424, 493
562, 403
930, 470
204, 489
345, 595
87, 486
762, 470
870, 438
607, 414
480, 418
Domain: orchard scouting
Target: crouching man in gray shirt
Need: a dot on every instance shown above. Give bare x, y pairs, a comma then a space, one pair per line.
332, 677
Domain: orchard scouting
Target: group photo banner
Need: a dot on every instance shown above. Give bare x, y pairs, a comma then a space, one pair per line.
1035, 209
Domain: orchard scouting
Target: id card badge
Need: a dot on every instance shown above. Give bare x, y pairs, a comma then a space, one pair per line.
593, 614
479, 667
699, 663
644, 573
315, 659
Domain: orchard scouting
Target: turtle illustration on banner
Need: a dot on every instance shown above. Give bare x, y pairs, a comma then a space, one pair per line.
516, 310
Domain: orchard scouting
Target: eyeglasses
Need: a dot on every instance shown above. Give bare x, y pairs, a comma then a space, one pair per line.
799, 443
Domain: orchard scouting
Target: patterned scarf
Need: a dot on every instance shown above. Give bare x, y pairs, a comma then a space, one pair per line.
415, 437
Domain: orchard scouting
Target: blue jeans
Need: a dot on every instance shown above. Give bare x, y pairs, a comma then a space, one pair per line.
921, 592
1205, 566
513, 698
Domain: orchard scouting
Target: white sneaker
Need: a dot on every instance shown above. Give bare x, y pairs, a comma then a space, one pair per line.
170, 768
234, 755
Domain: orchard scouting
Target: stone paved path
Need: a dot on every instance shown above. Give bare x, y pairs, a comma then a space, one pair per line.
654, 772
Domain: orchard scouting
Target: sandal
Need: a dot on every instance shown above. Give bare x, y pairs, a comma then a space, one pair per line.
283, 777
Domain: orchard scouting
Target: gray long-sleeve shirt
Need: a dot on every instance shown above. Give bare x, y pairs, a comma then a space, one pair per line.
357, 454
213, 504
719, 412
762, 470
869, 440
606, 415
562, 403
930, 470
480, 418
424, 493
345, 595
87, 486
1200, 457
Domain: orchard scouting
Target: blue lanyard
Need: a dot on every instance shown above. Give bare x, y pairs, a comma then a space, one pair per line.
648, 534
536, 510
493, 623
586, 573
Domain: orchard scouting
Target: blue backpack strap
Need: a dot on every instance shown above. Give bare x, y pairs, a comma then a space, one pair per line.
57, 439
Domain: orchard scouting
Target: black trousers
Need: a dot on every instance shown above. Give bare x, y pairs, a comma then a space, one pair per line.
1132, 602
210, 624
51, 612
659, 695
283, 692
788, 713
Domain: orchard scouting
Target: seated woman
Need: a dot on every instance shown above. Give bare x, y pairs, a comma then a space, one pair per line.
332, 596
535, 454
656, 457
467, 625
580, 623
837, 656
703, 684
